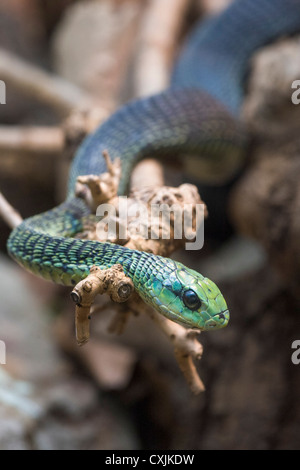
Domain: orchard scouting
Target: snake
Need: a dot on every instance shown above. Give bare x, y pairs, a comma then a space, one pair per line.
198, 114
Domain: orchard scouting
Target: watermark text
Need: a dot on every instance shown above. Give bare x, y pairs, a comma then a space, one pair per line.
296, 354
2, 92
2, 352
296, 94
159, 221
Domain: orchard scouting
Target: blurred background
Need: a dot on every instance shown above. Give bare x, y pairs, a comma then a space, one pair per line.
67, 65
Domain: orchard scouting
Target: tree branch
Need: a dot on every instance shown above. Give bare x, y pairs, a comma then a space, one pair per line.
103, 189
49, 88
157, 43
42, 140
8, 213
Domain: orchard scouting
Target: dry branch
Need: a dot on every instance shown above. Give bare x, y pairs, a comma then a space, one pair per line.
101, 189
186, 348
265, 201
97, 59
49, 88
42, 140
96, 190
110, 281
146, 174
157, 44
8, 213
154, 233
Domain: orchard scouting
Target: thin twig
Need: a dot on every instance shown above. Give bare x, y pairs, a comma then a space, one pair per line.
8, 213
186, 348
111, 281
49, 88
43, 140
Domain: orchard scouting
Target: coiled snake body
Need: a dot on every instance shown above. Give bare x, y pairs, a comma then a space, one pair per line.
197, 114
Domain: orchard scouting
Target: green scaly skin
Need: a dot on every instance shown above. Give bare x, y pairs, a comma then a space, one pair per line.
47, 250
197, 115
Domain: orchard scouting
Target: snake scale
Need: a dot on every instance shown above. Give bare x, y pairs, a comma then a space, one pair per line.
198, 114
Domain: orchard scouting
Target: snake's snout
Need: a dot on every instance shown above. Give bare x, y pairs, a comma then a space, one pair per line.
219, 320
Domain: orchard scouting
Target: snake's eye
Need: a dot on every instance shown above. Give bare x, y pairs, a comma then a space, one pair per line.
191, 300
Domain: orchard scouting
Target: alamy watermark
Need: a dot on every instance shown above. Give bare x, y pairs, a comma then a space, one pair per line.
2, 92
296, 94
2, 352
295, 357
157, 221
296, 354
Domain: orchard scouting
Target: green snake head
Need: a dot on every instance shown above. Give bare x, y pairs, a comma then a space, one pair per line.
186, 297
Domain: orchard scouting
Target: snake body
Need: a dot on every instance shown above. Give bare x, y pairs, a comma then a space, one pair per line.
197, 114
